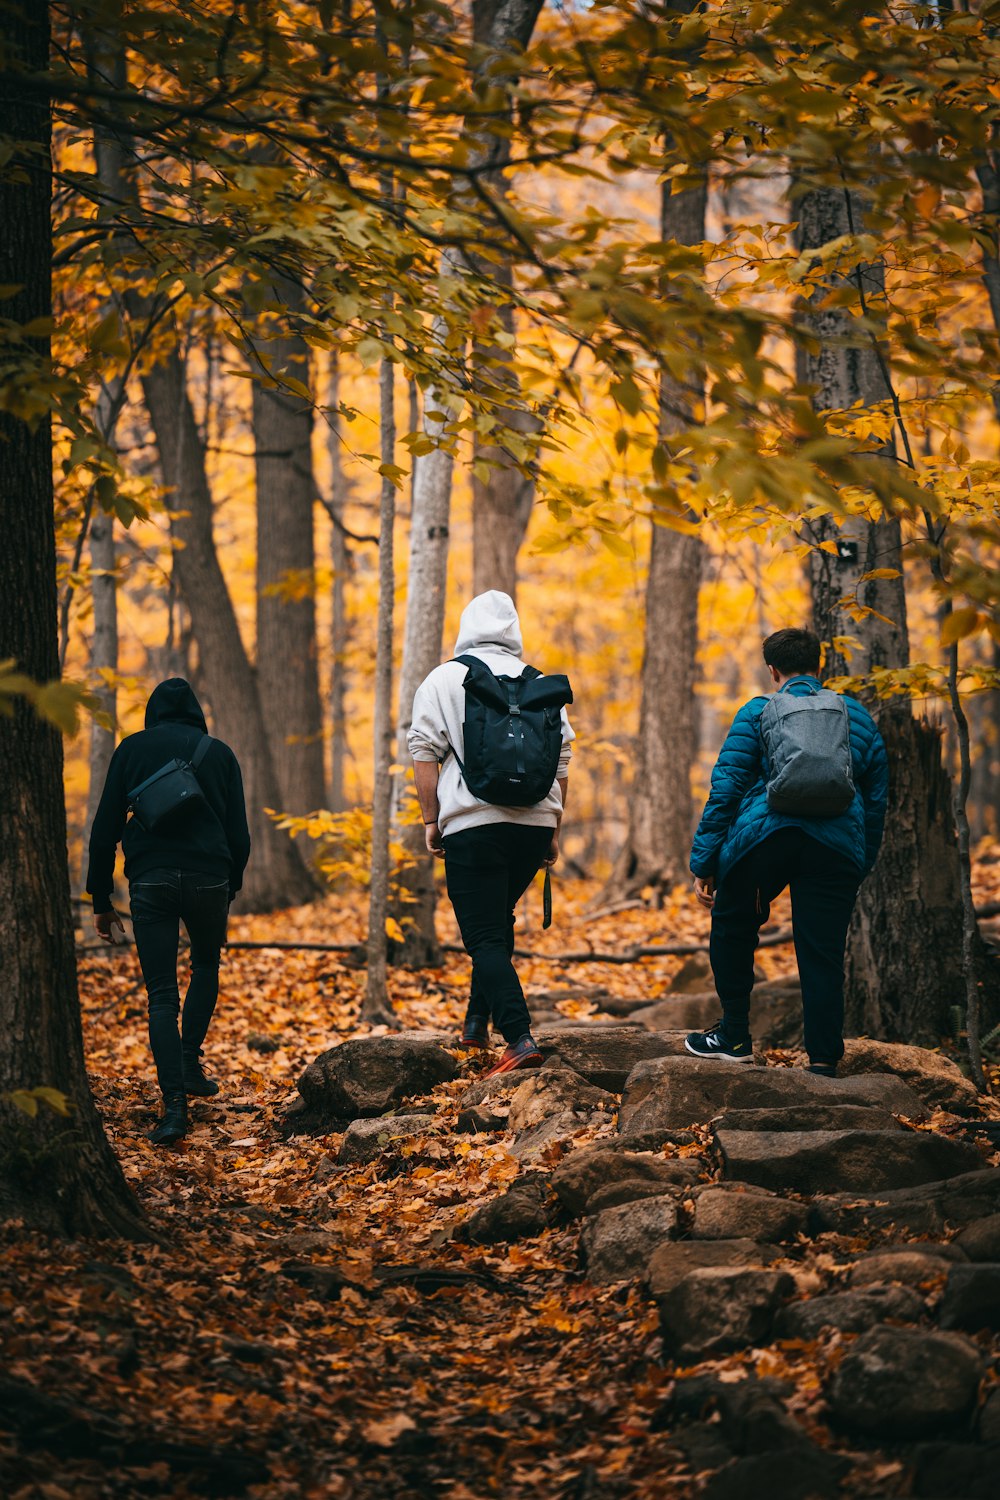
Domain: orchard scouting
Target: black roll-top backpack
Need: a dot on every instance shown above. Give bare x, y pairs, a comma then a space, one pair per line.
513, 733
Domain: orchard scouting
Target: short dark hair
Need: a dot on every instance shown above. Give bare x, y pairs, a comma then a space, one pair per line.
792, 651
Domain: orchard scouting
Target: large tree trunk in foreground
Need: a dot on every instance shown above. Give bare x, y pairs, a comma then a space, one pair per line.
287, 672
661, 810
56, 1173
904, 956
276, 875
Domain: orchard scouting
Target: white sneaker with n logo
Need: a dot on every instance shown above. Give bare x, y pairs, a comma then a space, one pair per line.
713, 1043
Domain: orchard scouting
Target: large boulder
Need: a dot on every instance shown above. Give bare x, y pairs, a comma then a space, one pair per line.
939, 1082
897, 1383
981, 1241
728, 1213
932, 1209
555, 1091
809, 1117
617, 1243
842, 1160
972, 1298
670, 1263
718, 1309
371, 1075
909, 1266
605, 1055
669, 1093
849, 1312
588, 1180
364, 1140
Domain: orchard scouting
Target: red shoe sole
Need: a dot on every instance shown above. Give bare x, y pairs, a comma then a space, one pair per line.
511, 1064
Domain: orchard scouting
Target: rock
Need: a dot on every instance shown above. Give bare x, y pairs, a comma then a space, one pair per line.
931, 1209
955, 1469
583, 1176
981, 1241
556, 1091
671, 1093
670, 1263
535, 1143
258, 1041
605, 1055
369, 1075
523, 1211
939, 1082
494, 1092
479, 1121
809, 1117
680, 1013
723, 1213
903, 1383
848, 1312
694, 974
972, 1298
364, 1140
908, 1267
617, 1244
802, 1474
989, 1418
718, 1309
842, 1160
776, 1012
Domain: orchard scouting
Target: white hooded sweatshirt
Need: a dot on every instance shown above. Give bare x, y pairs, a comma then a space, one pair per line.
490, 630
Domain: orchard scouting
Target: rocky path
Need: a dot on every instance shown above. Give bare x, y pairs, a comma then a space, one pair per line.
823, 1255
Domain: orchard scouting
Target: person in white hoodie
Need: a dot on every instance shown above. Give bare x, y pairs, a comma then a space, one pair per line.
491, 853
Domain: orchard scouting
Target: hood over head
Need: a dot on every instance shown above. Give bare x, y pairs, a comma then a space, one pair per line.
490, 620
174, 702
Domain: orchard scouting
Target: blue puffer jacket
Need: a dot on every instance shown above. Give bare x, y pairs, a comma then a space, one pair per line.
737, 816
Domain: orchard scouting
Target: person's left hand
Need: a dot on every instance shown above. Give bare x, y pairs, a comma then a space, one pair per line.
705, 891
432, 839
553, 853
109, 927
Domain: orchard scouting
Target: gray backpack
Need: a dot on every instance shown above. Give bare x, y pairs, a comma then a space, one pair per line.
808, 744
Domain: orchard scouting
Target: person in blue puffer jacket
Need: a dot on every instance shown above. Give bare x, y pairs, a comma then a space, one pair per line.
744, 854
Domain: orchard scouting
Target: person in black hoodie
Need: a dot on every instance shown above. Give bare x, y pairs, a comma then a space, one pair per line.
188, 871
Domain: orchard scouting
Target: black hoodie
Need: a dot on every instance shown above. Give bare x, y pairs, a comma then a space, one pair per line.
212, 840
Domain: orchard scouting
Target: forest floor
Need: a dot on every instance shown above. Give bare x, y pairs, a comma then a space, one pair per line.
198, 1365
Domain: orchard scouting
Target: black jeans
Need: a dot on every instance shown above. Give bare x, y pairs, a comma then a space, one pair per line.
160, 901
489, 869
824, 887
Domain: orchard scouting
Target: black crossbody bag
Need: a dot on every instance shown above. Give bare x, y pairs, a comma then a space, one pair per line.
174, 787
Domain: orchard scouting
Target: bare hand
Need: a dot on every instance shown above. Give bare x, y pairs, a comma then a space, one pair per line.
553, 853
705, 891
432, 838
109, 927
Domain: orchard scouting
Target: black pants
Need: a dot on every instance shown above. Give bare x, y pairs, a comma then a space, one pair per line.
160, 901
488, 871
824, 887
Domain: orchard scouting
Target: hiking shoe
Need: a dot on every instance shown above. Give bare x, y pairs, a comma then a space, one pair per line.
823, 1070
195, 1080
715, 1043
475, 1032
520, 1054
174, 1122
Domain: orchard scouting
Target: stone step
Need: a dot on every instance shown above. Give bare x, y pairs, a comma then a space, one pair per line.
842, 1160
605, 1055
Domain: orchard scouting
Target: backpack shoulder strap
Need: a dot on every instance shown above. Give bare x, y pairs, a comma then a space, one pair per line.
204, 745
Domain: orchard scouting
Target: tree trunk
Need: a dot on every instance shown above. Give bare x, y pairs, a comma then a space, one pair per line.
904, 954
103, 657
287, 672
276, 875
375, 1007
661, 810
340, 562
988, 172
56, 1173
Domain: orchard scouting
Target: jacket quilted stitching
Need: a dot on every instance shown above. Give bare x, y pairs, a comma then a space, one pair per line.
737, 816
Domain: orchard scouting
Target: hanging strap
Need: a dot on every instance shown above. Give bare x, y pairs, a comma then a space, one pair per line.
514, 709
204, 745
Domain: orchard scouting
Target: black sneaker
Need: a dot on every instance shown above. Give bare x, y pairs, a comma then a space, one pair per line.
715, 1043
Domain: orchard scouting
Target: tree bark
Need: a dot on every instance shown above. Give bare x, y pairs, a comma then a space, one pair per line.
287, 671
103, 658
903, 970
56, 1173
340, 562
276, 875
376, 1007
661, 810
